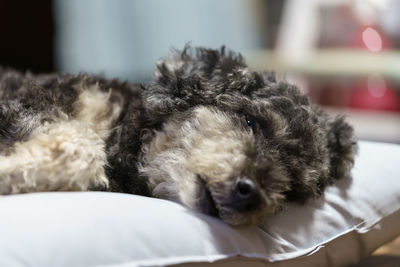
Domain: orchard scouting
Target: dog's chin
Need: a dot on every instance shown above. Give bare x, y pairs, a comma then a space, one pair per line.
236, 218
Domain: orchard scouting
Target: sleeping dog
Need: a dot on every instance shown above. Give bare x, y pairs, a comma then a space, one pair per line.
207, 132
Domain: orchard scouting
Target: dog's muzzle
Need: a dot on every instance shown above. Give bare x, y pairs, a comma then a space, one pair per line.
245, 196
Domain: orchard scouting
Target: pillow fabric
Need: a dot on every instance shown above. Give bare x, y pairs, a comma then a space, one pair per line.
351, 219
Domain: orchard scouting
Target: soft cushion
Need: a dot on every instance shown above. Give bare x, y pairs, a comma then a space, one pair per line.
108, 229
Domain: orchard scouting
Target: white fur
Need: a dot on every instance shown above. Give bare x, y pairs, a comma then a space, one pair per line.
208, 144
63, 156
68, 154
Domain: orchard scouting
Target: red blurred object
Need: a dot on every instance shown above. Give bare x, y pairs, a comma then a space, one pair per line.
385, 99
371, 38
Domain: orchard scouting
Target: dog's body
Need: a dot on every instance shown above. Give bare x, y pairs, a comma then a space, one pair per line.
208, 133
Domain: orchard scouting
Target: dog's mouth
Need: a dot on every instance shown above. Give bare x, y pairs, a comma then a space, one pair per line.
207, 202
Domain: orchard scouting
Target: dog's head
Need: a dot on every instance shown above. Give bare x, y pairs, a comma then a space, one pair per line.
223, 135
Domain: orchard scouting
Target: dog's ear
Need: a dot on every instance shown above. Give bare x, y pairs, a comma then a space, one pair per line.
196, 77
180, 82
176, 64
176, 87
202, 62
227, 71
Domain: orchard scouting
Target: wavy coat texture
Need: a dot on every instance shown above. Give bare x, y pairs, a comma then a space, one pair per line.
204, 124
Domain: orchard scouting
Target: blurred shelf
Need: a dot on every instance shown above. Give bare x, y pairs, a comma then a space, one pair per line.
368, 124
331, 62
371, 125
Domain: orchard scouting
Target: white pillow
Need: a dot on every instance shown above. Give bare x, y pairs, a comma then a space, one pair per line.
118, 230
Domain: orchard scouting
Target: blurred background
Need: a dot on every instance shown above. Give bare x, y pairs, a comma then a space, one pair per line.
344, 54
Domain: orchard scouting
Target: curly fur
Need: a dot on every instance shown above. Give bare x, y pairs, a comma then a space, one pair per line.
205, 122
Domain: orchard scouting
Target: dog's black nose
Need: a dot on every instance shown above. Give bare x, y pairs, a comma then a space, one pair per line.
245, 195
244, 188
